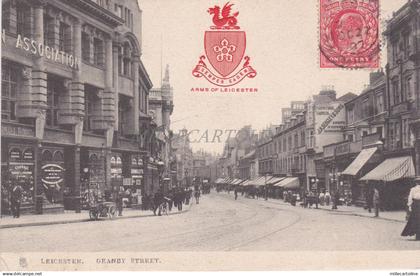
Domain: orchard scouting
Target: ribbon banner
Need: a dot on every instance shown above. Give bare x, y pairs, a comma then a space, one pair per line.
201, 70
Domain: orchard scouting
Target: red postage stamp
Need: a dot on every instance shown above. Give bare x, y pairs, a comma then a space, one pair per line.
349, 36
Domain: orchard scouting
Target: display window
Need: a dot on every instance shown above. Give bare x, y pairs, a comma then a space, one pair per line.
52, 174
20, 171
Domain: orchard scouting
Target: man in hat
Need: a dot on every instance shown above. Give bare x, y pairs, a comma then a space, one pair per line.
17, 193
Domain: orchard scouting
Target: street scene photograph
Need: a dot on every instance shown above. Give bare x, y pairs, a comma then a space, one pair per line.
185, 126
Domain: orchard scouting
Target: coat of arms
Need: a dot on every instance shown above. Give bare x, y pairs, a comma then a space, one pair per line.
224, 46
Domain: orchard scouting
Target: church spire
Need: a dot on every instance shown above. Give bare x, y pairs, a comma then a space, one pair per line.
165, 82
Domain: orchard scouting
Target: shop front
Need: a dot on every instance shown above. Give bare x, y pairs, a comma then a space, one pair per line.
137, 174
18, 168
92, 176
152, 182
393, 178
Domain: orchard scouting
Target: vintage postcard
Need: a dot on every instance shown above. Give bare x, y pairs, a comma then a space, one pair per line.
210, 135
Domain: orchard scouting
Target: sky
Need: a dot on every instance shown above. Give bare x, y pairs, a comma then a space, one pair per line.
282, 42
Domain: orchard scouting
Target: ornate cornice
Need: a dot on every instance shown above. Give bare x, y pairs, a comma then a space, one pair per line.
97, 12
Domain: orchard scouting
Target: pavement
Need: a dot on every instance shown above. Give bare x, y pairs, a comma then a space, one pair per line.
73, 217
398, 216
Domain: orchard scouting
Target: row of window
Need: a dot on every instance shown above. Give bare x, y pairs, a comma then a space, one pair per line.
10, 86
125, 14
284, 144
288, 164
400, 47
59, 35
395, 139
93, 50
366, 109
399, 95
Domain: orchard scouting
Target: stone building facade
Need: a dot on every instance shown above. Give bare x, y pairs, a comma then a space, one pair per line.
75, 99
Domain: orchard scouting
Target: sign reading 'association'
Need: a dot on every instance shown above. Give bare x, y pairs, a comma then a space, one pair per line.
224, 47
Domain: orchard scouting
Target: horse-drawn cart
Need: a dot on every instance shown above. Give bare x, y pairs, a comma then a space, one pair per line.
103, 209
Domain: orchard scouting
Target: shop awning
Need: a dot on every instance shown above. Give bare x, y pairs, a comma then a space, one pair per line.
218, 181
275, 180
226, 180
254, 181
245, 183
233, 182
290, 183
359, 161
260, 181
237, 181
392, 169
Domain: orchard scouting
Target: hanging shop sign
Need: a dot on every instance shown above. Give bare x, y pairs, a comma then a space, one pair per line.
39, 49
52, 174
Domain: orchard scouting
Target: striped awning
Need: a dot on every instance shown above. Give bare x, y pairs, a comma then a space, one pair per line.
256, 181
245, 183
359, 161
227, 180
275, 180
289, 183
235, 181
262, 180
392, 169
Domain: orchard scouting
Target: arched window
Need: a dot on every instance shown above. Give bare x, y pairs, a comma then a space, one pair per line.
127, 59
58, 156
47, 155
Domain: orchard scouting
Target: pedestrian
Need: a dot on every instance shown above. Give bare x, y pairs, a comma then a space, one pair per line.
179, 200
16, 199
321, 198
305, 200
170, 196
197, 196
327, 198
119, 200
158, 200
369, 199
413, 203
187, 196
376, 201
236, 193
335, 200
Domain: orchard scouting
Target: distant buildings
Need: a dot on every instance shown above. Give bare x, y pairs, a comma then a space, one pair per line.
350, 144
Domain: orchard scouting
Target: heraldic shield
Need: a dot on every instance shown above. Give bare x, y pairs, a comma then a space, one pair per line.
225, 50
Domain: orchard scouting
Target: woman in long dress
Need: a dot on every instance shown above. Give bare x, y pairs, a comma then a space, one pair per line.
413, 224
